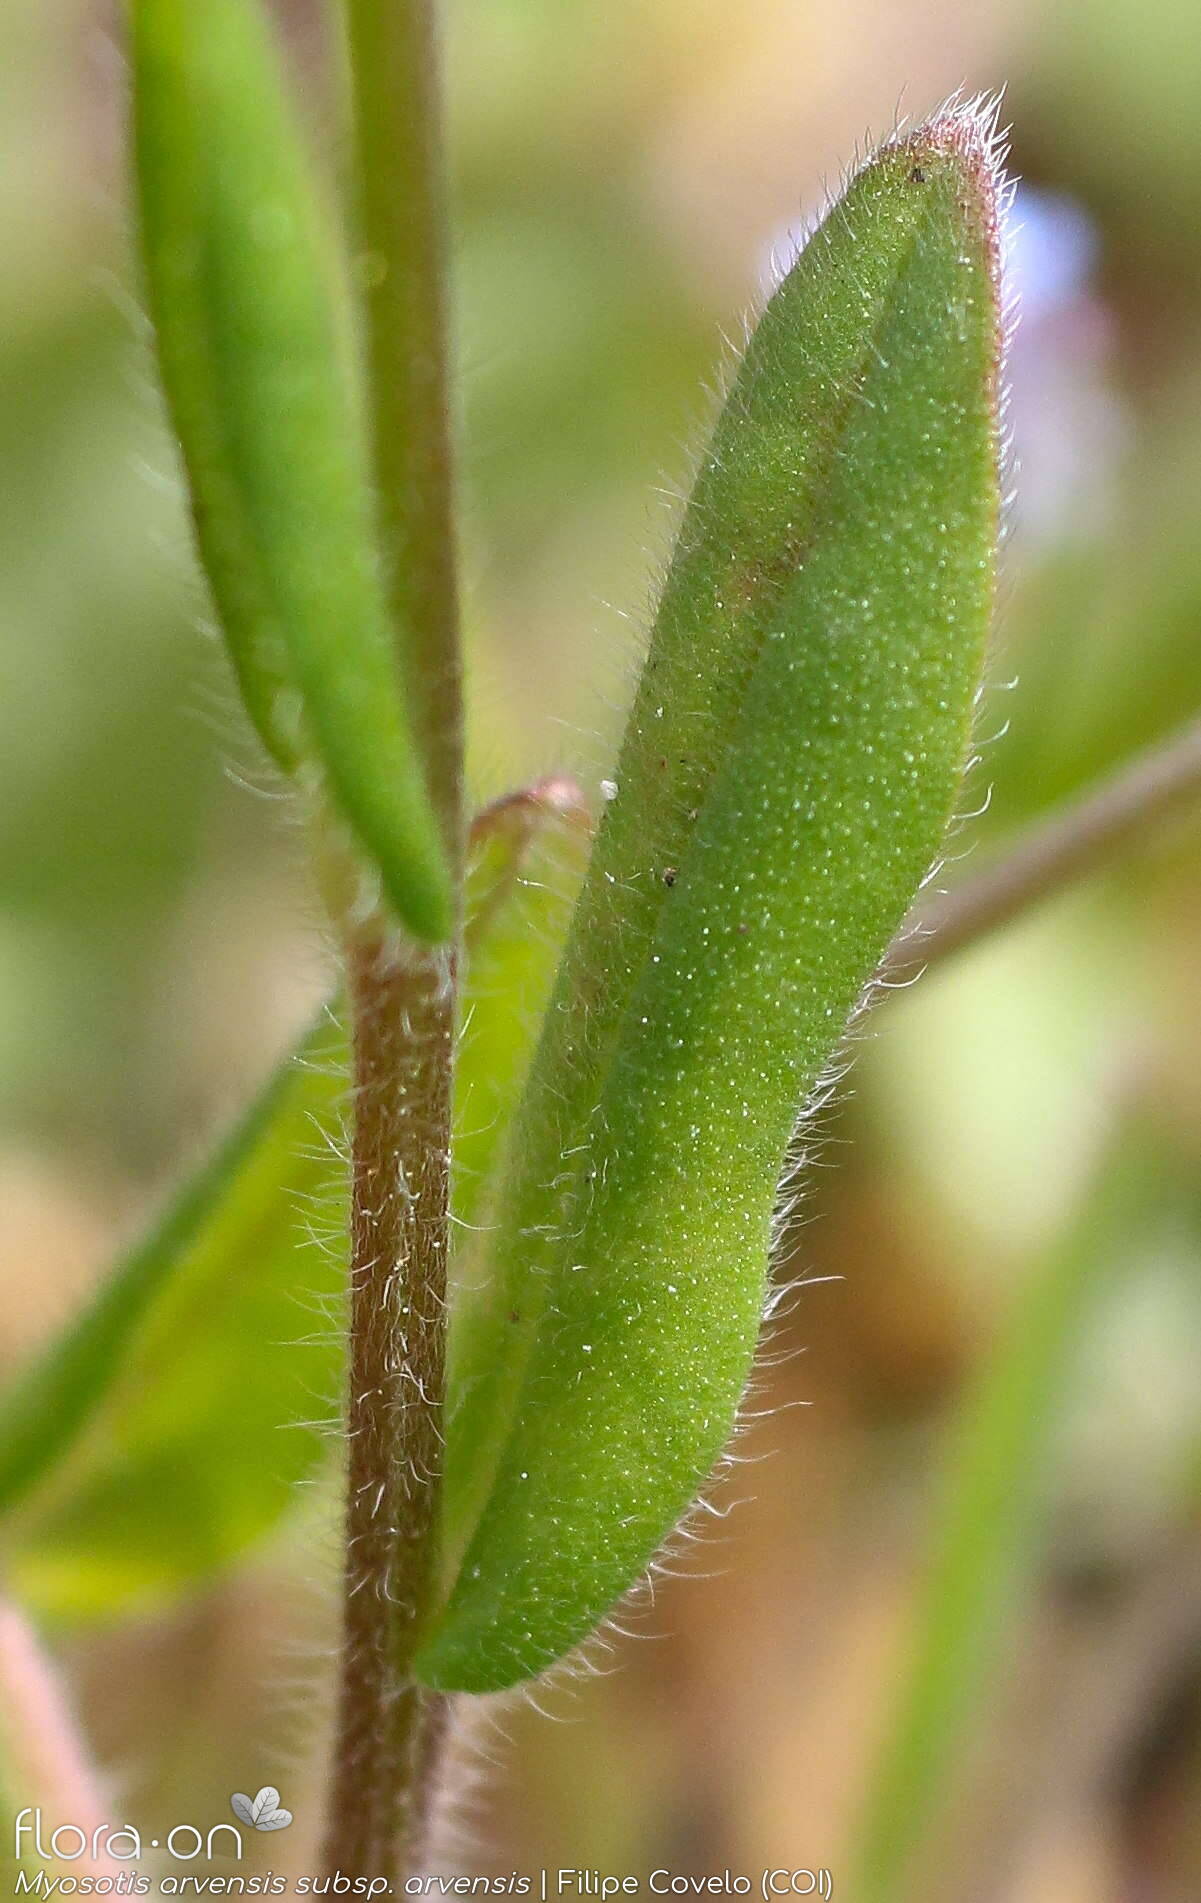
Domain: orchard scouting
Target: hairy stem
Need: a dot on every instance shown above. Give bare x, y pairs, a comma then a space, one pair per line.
402, 1004
402, 997
1070, 844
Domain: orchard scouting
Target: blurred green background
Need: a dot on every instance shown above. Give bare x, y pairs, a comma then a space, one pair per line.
624, 174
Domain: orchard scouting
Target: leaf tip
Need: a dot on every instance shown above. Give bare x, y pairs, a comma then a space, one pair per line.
966, 133
968, 130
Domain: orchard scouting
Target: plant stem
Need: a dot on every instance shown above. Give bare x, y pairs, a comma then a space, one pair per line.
1073, 842
402, 1073
402, 996
42, 1757
1104, 1671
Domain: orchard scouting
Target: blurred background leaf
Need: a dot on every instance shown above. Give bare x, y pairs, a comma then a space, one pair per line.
140, 1452
999, 1473
226, 1373
211, 1229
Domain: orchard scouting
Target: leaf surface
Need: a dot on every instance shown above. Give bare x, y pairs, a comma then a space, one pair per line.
792, 759
256, 359
167, 1429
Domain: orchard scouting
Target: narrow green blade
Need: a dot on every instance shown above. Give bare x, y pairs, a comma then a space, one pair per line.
258, 372
43, 1412
166, 1430
994, 1490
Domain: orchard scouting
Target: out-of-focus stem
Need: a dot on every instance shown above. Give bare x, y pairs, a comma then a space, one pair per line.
43, 1757
1070, 844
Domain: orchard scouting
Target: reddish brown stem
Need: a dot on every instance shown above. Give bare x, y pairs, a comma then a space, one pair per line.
402, 1003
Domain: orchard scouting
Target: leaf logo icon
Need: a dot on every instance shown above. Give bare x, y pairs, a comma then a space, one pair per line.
262, 1812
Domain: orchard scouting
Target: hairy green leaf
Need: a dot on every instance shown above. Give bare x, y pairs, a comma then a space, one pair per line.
251, 329
793, 756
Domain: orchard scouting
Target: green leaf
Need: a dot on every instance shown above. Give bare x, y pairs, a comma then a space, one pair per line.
251, 327
201, 1372
43, 1412
525, 861
164, 1432
994, 1491
794, 752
